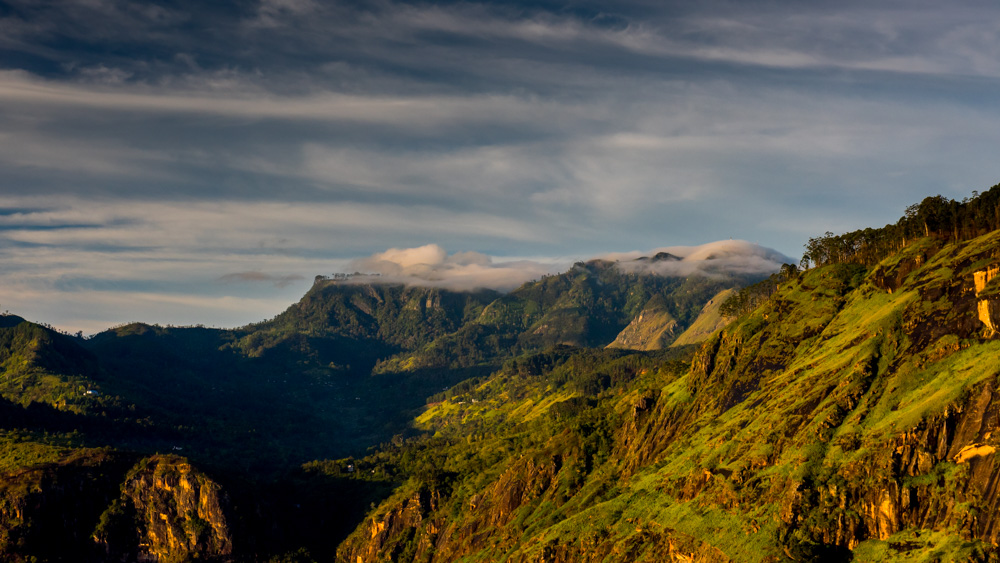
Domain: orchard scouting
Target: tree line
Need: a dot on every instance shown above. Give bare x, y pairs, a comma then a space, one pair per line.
750, 297
935, 216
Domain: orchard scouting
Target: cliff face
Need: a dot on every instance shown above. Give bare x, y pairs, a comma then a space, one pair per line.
652, 329
88, 505
170, 512
855, 414
941, 474
989, 301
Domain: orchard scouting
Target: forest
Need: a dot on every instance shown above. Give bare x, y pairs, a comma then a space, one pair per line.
935, 216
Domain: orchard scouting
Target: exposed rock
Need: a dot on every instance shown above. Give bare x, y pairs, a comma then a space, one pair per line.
988, 305
890, 279
708, 321
973, 451
983, 277
652, 329
172, 512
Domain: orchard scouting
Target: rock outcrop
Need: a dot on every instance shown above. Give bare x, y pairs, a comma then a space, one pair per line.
171, 512
989, 301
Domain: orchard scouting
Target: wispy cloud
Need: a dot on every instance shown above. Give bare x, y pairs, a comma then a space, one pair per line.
431, 265
261, 277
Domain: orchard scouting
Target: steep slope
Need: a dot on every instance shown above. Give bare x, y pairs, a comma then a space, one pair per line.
355, 324
346, 368
272, 395
709, 320
167, 511
100, 505
852, 414
299, 386
654, 328
49, 509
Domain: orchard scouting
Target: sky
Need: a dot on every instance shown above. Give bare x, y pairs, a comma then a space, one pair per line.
191, 162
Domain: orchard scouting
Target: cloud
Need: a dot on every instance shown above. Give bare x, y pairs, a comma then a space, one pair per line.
259, 277
430, 265
736, 257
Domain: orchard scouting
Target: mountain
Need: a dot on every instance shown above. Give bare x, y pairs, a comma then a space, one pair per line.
94, 430
851, 415
843, 411
589, 305
42, 366
350, 364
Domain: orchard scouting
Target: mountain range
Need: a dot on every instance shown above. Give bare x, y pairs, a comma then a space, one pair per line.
841, 410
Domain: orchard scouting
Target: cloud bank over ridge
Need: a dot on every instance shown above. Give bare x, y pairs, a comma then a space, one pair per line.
736, 257
431, 265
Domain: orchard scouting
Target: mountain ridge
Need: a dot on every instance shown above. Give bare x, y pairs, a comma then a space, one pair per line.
913, 377
846, 411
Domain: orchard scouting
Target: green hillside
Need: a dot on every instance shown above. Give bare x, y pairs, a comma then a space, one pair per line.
590, 305
841, 418
346, 368
844, 411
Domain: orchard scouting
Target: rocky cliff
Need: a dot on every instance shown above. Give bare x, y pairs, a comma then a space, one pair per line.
168, 511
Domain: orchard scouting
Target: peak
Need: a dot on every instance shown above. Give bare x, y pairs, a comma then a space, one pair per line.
665, 257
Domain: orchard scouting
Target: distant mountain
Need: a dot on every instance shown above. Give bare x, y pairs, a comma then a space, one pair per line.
589, 305
845, 411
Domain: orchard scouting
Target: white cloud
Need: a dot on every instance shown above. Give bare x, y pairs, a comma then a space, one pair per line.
125, 261
431, 265
714, 258
239, 96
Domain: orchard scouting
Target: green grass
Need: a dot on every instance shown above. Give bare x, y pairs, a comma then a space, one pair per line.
18, 451
920, 546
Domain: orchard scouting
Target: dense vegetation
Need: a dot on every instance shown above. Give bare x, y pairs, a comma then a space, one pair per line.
346, 368
848, 410
748, 298
935, 216
836, 420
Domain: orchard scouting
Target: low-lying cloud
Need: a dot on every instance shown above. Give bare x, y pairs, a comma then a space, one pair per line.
431, 265
735, 257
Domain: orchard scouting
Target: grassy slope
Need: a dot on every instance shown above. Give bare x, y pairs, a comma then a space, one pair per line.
708, 321
739, 455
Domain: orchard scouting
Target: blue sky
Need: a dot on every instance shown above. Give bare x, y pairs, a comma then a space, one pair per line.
181, 163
